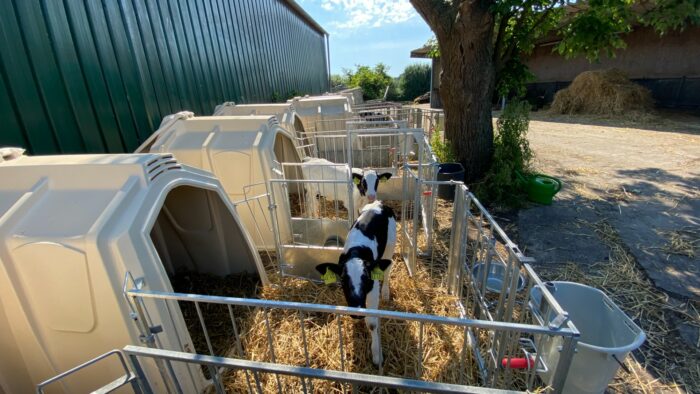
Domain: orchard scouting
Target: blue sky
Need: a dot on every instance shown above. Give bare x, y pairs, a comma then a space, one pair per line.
370, 31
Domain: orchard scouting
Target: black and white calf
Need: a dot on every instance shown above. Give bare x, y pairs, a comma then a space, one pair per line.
366, 182
369, 247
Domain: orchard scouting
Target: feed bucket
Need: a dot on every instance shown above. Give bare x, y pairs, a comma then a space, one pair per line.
449, 172
607, 336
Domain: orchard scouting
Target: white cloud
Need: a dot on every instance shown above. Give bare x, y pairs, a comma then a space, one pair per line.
369, 13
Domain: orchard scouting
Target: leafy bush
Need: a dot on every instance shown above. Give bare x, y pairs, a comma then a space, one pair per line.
338, 81
414, 81
372, 80
442, 147
278, 97
511, 153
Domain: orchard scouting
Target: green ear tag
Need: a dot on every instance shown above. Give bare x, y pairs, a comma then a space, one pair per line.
377, 274
329, 277
356, 181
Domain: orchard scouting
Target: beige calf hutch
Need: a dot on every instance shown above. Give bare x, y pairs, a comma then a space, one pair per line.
242, 151
72, 228
285, 113
321, 113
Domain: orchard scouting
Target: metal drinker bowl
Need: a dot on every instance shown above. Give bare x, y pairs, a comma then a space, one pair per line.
496, 273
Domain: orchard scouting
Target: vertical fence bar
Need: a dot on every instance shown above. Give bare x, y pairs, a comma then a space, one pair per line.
306, 346
147, 337
239, 346
212, 371
566, 355
272, 347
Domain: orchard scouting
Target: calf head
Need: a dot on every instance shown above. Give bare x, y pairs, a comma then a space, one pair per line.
368, 181
355, 272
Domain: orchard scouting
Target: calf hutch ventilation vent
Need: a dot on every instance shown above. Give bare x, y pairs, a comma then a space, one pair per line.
241, 151
71, 227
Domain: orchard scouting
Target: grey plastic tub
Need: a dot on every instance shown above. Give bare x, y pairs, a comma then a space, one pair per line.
607, 336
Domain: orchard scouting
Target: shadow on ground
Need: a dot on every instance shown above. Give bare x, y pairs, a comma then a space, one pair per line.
647, 207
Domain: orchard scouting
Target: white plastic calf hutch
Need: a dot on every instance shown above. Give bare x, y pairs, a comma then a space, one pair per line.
242, 151
71, 227
285, 113
354, 95
318, 111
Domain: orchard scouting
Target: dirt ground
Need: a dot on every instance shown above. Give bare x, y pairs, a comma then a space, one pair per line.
640, 177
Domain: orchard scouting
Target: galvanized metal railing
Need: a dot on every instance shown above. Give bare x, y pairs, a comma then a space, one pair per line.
471, 326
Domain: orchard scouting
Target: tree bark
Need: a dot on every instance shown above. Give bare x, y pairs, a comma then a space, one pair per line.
467, 80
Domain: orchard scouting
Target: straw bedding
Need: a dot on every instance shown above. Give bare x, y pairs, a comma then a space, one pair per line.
441, 359
602, 92
441, 345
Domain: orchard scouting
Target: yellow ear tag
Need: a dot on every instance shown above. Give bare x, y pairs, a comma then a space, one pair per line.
356, 181
377, 274
329, 277
382, 180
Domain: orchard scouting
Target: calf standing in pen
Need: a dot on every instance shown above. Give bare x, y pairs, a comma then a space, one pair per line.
365, 190
365, 263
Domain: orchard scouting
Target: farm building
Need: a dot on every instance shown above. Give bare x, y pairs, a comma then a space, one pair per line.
661, 63
99, 76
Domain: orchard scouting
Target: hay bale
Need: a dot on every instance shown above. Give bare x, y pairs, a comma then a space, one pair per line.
602, 92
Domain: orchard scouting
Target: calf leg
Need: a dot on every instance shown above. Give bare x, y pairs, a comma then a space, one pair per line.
311, 203
386, 292
388, 255
373, 325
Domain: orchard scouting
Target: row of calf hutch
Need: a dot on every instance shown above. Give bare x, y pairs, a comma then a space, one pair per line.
92, 248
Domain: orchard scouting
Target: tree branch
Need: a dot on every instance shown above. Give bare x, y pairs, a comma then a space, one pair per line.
507, 54
502, 25
438, 14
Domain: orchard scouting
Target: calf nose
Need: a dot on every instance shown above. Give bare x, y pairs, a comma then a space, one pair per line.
371, 198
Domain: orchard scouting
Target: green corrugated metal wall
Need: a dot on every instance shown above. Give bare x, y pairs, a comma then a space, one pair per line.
98, 76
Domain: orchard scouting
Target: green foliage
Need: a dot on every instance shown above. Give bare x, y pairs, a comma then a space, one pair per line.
592, 29
596, 29
277, 97
372, 80
434, 51
513, 78
668, 15
511, 153
414, 81
442, 147
338, 81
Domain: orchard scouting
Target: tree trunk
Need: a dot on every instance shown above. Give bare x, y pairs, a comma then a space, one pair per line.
467, 86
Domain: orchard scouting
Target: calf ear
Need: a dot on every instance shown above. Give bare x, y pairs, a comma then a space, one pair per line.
383, 264
356, 178
384, 177
329, 272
